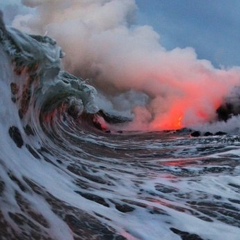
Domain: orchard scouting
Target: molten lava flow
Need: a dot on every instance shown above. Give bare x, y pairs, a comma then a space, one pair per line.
175, 122
187, 112
178, 124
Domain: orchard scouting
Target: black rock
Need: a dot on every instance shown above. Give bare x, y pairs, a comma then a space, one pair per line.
230, 106
195, 134
220, 133
208, 134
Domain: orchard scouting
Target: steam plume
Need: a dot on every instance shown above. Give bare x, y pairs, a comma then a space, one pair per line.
102, 42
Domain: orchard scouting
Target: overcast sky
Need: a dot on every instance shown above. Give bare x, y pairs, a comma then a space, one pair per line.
211, 27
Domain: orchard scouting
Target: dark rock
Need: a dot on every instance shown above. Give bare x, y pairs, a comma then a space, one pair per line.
16, 136
195, 134
220, 133
230, 106
224, 112
208, 134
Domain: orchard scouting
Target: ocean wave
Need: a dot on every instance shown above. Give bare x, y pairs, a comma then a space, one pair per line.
63, 179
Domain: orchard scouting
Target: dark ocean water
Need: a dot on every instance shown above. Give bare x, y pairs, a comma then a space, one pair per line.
64, 176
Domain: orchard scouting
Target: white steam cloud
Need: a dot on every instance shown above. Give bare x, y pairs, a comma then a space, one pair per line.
103, 43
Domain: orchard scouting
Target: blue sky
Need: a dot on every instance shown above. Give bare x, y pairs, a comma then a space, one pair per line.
211, 27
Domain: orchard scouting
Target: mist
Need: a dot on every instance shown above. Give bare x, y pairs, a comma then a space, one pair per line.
104, 43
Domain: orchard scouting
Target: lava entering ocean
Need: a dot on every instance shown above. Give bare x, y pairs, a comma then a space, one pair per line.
103, 43
61, 178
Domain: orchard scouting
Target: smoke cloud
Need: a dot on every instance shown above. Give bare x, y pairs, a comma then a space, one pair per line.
103, 42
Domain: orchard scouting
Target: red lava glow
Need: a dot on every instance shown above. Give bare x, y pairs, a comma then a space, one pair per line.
187, 112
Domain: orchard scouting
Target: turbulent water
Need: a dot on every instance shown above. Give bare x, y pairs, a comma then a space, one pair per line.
64, 175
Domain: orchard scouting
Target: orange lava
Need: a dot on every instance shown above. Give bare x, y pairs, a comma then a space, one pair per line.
186, 113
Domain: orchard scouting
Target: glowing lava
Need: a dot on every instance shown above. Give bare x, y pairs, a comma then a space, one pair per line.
186, 113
